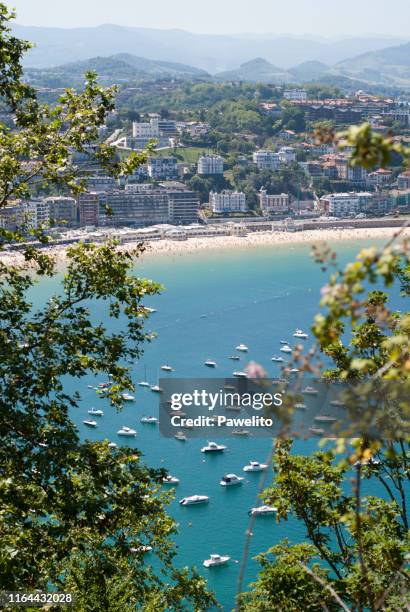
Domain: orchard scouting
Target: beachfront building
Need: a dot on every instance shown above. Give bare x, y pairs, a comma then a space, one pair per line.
162, 168
346, 204
18, 215
62, 210
143, 205
133, 207
273, 204
227, 201
287, 155
266, 160
88, 208
295, 95
210, 164
183, 206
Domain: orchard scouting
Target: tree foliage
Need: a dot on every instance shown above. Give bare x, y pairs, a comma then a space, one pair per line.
74, 516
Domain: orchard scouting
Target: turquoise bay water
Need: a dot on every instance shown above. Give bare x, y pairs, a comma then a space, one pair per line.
257, 297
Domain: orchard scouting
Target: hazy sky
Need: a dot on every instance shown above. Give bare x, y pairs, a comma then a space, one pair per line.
324, 17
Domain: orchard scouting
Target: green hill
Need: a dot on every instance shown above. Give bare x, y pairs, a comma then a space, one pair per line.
309, 71
390, 66
256, 70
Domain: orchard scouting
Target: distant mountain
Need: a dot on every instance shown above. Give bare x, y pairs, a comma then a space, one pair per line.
213, 53
257, 70
309, 71
112, 69
389, 66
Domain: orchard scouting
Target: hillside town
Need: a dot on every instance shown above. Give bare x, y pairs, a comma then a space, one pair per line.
246, 157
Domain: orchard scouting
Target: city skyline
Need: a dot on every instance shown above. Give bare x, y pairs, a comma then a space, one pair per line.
297, 17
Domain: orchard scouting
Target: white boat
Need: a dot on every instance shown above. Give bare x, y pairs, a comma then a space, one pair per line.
300, 406
127, 397
90, 386
156, 389
194, 499
317, 431
293, 370
150, 310
150, 420
242, 347
241, 432
213, 447
336, 402
180, 436
144, 382
325, 418
299, 333
239, 374
277, 359
286, 349
127, 432
167, 368
173, 480
112, 445
283, 342
310, 391
90, 423
216, 560
262, 510
95, 412
230, 480
255, 466
144, 549
210, 363
234, 357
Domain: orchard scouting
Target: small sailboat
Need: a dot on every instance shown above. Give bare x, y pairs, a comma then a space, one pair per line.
167, 368
277, 359
239, 374
144, 382
156, 389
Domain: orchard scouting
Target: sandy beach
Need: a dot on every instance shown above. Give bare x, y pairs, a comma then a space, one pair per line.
221, 243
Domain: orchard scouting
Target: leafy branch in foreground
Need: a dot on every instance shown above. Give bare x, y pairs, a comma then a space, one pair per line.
74, 516
356, 554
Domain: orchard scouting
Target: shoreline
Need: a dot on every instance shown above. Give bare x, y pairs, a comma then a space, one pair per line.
159, 248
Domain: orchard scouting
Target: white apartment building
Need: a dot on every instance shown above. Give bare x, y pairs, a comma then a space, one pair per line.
228, 201
295, 95
162, 167
266, 160
272, 204
210, 164
145, 130
345, 204
287, 155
